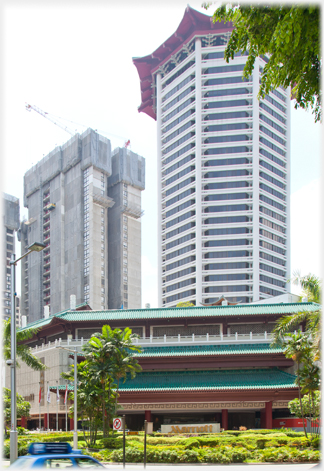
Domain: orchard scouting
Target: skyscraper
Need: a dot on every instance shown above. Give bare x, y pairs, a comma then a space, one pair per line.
223, 169
11, 216
68, 203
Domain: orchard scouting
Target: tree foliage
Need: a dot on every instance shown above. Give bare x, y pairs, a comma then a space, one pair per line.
23, 351
289, 35
23, 407
311, 286
311, 409
109, 358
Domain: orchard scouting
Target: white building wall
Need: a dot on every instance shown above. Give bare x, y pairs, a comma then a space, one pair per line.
211, 184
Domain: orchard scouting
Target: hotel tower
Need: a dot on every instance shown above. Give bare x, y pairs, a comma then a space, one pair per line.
223, 169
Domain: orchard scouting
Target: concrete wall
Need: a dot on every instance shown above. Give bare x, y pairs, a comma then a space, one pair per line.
57, 361
125, 186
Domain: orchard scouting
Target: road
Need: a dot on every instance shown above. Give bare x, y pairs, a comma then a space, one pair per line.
220, 467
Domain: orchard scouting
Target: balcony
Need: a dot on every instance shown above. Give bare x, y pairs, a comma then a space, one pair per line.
207, 339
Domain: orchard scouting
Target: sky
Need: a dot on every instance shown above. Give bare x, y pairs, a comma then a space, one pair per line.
74, 61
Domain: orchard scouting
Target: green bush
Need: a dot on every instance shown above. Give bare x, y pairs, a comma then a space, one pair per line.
111, 443
132, 455
212, 457
190, 456
315, 442
239, 455
189, 443
22, 431
261, 442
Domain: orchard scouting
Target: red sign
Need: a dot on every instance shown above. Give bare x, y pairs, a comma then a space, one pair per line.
117, 424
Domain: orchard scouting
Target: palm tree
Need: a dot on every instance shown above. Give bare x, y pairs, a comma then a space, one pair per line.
23, 350
311, 286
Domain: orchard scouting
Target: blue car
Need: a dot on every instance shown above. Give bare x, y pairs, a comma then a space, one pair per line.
54, 455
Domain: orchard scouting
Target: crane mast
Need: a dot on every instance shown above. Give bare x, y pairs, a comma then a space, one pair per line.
50, 118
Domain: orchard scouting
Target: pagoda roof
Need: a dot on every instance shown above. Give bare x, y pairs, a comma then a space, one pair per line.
204, 380
218, 380
69, 316
192, 24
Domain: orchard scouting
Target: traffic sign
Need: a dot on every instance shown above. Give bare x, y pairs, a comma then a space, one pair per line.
117, 424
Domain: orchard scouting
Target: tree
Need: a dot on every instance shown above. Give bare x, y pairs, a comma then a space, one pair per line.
311, 285
290, 36
110, 357
89, 394
23, 407
297, 348
23, 350
311, 408
185, 304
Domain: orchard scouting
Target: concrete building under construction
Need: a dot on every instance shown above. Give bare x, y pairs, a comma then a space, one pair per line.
11, 216
80, 198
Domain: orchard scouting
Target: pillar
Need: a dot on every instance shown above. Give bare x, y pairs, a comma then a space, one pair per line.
268, 414
24, 421
148, 416
45, 421
71, 424
225, 419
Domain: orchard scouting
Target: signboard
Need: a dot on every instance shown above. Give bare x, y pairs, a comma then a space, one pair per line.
47, 448
117, 424
191, 428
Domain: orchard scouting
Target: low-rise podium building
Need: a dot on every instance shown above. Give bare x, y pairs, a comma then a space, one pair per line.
200, 365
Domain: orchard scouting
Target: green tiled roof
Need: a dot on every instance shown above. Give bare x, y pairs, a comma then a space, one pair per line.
194, 350
242, 379
176, 313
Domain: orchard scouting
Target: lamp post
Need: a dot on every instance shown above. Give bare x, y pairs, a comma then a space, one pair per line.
36, 247
75, 414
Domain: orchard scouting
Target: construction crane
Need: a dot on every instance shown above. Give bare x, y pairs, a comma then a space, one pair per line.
60, 125
50, 117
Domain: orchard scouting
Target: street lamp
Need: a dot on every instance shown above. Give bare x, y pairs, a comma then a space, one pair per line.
75, 414
35, 247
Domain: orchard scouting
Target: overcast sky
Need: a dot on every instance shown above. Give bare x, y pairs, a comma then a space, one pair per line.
74, 61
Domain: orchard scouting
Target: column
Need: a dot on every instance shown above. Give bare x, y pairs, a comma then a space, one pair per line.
225, 419
71, 424
198, 151
24, 421
268, 414
45, 420
256, 191
159, 184
148, 416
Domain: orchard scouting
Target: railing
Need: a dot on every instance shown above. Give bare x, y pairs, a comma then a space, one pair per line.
207, 339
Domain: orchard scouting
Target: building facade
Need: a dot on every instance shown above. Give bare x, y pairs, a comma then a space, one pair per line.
199, 364
68, 203
223, 169
11, 221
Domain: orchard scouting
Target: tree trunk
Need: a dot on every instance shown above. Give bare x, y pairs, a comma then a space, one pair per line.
103, 410
300, 401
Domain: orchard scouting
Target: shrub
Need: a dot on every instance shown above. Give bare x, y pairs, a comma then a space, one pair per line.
315, 442
211, 441
239, 455
132, 455
111, 443
190, 443
190, 456
211, 457
261, 443
22, 431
